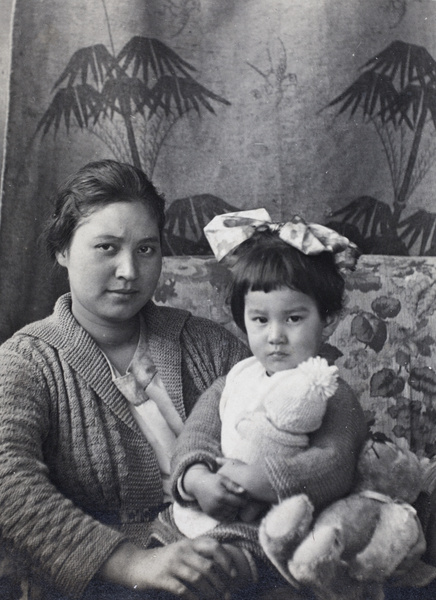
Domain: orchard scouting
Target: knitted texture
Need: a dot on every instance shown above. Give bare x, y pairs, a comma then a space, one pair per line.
324, 471
70, 447
297, 397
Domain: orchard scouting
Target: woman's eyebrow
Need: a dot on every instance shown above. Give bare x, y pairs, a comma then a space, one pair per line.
111, 236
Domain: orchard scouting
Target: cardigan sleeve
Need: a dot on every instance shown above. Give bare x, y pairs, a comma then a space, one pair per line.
40, 525
200, 437
325, 471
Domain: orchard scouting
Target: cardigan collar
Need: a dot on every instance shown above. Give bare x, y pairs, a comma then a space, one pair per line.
79, 350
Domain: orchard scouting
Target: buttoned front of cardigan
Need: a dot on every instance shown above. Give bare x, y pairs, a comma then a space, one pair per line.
76, 474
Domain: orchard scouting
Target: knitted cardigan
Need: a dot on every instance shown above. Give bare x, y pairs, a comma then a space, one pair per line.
76, 475
325, 471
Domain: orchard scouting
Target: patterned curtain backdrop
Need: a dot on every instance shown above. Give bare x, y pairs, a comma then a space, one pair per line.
325, 108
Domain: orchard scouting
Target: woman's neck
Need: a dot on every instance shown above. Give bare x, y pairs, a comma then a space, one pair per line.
108, 334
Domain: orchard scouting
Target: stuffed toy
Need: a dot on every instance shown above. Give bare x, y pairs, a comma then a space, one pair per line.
293, 405
354, 545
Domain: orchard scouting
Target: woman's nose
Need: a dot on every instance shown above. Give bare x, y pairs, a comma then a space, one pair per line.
126, 267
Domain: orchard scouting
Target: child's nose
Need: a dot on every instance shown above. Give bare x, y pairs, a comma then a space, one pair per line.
276, 334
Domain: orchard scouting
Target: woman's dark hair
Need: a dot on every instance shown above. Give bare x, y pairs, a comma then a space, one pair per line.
265, 263
95, 185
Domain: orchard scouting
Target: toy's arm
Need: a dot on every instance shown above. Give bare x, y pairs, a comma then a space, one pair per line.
324, 471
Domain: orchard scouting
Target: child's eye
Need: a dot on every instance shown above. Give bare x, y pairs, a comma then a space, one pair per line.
294, 318
260, 319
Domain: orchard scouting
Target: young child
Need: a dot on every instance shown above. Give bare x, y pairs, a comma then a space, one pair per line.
264, 414
287, 296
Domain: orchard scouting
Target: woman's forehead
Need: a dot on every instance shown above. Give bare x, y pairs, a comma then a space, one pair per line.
119, 218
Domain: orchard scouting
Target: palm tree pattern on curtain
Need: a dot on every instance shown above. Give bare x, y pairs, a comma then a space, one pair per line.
131, 100
397, 95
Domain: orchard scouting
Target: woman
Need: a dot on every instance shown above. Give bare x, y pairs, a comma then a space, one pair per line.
79, 483
92, 399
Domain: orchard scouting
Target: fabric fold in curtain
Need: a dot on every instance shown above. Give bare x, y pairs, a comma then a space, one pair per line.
227, 106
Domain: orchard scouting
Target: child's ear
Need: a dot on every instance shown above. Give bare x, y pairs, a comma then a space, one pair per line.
61, 257
330, 325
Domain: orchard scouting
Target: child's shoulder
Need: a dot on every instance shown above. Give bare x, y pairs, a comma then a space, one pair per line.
345, 388
246, 367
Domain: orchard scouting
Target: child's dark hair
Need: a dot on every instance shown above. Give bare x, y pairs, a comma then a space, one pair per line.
265, 263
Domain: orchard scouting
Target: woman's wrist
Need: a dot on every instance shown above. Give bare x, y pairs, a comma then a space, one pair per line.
120, 567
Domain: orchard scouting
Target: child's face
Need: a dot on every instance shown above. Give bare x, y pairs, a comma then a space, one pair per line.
284, 328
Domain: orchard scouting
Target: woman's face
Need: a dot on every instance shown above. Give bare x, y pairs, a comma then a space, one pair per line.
114, 261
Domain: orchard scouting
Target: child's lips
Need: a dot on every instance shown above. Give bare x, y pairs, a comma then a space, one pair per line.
278, 354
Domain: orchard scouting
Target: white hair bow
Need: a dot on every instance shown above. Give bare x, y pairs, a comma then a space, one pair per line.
227, 231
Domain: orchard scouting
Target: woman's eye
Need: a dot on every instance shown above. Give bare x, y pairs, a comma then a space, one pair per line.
294, 318
146, 250
106, 247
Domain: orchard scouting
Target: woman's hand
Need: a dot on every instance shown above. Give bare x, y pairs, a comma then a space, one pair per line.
192, 569
218, 496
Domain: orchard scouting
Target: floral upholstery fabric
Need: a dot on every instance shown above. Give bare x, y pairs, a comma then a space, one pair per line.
383, 346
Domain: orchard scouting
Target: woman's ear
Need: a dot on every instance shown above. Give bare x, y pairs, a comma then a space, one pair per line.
330, 325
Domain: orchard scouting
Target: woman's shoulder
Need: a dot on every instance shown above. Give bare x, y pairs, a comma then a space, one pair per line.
204, 324
27, 335
26, 356
178, 319
198, 335
53, 331
208, 333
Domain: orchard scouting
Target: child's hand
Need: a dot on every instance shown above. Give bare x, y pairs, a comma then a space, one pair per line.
239, 472
252, 478
253, 511
242, 474
218, 496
